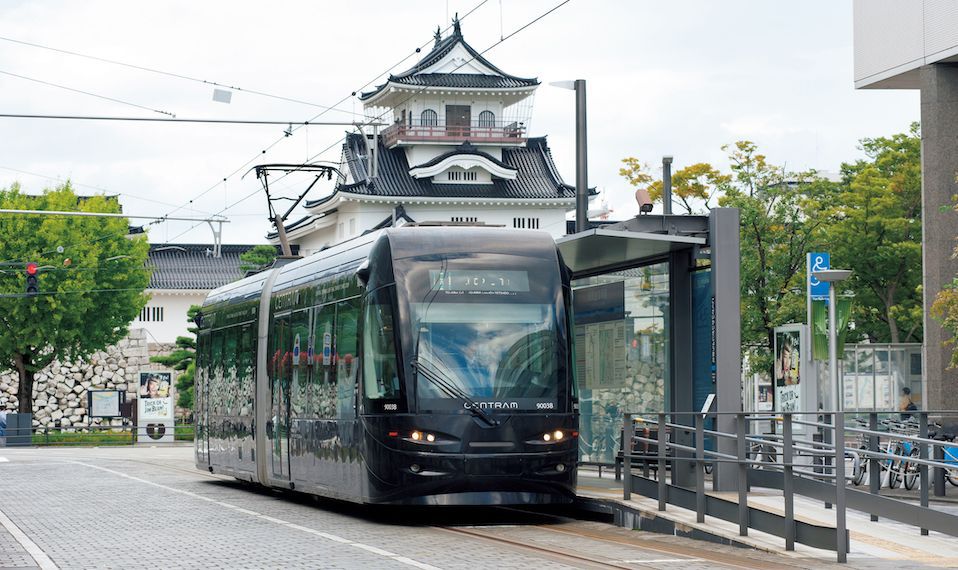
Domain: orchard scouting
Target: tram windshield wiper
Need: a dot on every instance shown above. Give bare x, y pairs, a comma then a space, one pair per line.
449, 387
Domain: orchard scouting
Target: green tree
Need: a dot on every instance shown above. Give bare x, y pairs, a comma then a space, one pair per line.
257, 257
945, 307
876, 232
781, 220
693, 186
91, 281
183, 359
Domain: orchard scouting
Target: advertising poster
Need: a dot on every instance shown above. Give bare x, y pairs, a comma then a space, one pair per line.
788, 370
155, 421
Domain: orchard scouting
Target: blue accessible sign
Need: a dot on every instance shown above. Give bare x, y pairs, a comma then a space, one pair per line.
817, 290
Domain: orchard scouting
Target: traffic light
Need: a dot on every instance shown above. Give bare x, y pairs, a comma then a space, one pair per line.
32, 288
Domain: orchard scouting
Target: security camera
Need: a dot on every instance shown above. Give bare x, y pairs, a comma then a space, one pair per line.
645, 203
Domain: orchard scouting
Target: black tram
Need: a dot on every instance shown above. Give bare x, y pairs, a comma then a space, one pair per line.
410, 366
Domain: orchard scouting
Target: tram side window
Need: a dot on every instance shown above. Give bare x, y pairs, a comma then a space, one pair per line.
380, 369
323, 385
215, 392
245, 369
230, 387
300, 362
347, 361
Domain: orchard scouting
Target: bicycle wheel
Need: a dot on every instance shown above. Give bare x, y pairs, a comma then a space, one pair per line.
894, 469
910, 470
861, 470
951, 475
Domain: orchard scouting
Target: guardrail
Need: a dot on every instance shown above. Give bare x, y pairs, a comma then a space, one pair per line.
90, 435
806, 464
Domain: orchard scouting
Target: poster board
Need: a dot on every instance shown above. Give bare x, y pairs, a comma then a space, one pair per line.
795, 388
154, 406
105, 403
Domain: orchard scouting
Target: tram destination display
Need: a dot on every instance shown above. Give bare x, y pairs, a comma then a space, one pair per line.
480, 280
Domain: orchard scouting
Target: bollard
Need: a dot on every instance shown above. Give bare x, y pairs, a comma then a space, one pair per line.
787, 486
939, 472
699, 467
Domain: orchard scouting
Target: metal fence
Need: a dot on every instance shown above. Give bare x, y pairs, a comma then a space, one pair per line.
93, 436
800, 454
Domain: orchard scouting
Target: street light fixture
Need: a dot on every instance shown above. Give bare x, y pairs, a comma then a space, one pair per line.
581, 158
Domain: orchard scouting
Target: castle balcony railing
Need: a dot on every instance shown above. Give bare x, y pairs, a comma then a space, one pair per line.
507, 134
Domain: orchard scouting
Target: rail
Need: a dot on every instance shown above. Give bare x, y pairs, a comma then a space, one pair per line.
825, 463
512, 133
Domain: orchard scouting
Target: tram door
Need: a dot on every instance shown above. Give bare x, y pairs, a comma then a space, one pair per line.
281, 363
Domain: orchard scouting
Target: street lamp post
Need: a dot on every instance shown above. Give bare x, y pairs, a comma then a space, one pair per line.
833, 276
581, 154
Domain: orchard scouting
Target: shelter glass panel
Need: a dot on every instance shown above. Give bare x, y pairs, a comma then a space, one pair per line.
622, 336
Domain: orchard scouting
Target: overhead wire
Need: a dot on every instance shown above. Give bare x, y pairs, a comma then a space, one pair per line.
414, 94
312, 119
172, 74
88, 93
90, 186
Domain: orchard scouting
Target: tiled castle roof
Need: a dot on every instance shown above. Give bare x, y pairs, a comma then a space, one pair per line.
537, 176
192, 266
414, 76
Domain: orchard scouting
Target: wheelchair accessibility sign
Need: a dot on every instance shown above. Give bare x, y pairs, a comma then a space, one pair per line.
817, 289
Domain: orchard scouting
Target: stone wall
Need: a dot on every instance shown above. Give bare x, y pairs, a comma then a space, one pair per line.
60, 390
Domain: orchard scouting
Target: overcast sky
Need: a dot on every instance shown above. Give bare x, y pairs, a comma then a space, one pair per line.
681, 77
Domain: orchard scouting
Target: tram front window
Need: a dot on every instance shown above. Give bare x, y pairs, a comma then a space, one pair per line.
501, 355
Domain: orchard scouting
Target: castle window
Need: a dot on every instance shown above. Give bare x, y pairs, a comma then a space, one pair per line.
525, 223
487, 119
429, 118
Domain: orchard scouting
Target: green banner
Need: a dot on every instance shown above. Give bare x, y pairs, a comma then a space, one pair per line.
820, 327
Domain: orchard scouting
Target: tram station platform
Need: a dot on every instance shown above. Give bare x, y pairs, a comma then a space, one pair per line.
870, 543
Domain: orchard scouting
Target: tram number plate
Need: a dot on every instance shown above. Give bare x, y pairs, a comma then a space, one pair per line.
493, 467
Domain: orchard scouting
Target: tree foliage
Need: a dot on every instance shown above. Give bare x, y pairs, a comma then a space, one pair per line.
91, 281
257, 258
183, 359
870, 222
781, 220
875, 230
945, 307
693, 187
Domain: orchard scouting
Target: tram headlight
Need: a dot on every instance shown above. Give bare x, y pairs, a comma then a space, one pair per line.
421, 436
558, 435
547, 437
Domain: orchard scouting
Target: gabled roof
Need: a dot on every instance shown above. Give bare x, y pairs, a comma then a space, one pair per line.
464, 148
537, 177
414, 76
192, 266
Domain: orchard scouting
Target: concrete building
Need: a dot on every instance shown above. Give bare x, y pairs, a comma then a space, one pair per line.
456, 150
913, 44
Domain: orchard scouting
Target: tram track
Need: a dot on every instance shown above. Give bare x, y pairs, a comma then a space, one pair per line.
566, 526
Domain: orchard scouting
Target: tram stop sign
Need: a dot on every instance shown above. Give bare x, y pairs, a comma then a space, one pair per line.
817, 289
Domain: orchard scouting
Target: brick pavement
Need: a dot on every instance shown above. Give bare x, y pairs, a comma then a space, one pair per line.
149, 508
